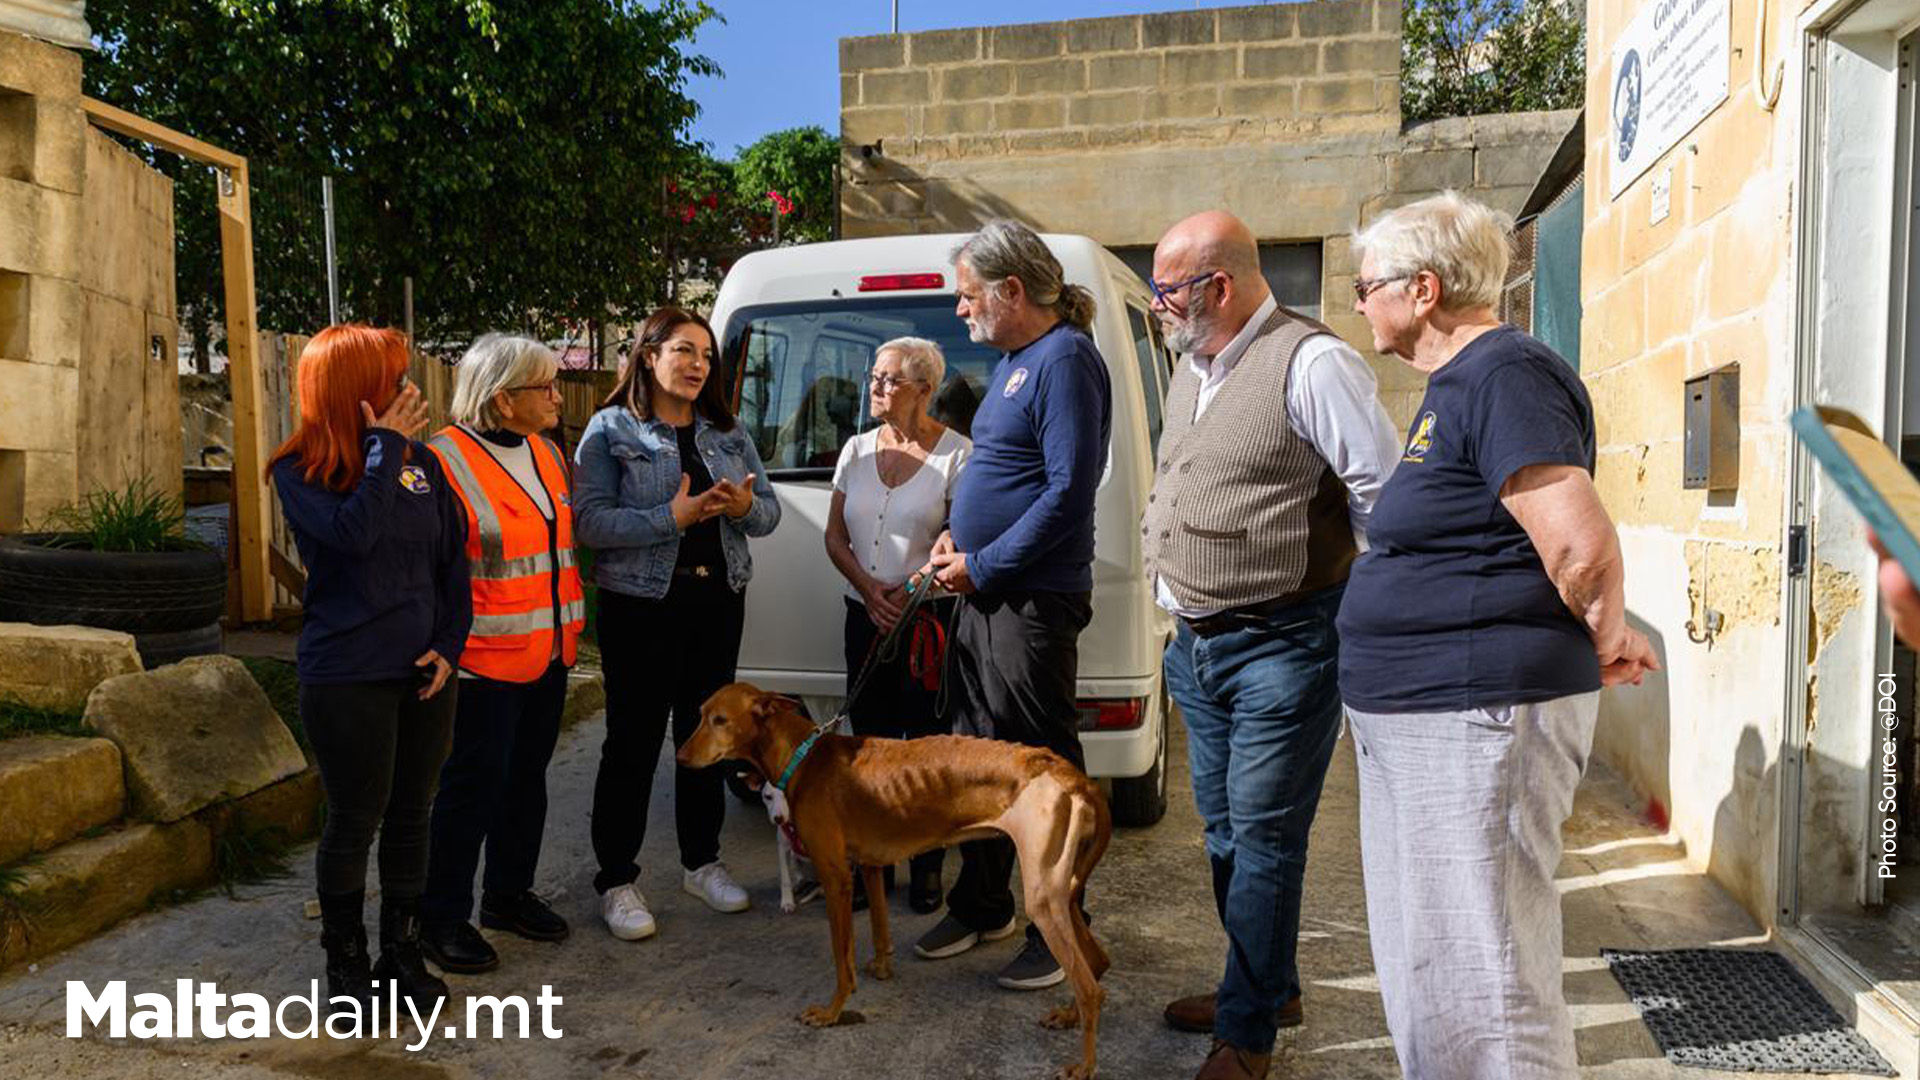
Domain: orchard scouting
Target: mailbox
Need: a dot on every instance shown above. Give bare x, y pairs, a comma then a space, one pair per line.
1711, 455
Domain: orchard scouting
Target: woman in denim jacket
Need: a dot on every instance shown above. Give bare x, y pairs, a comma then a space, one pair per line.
667, 491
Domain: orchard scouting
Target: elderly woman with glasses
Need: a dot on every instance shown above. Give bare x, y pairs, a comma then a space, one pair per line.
528, 611
1475, 636
891, 491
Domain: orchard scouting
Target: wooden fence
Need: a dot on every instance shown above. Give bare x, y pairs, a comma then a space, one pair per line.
581, 394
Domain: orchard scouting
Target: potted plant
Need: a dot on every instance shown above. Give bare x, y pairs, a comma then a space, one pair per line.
119, 560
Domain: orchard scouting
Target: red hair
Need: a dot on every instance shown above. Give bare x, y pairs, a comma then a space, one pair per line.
341, 367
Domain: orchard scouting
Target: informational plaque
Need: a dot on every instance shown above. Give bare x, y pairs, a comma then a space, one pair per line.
1670, 70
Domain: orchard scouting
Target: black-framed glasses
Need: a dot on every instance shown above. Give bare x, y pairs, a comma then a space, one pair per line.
1365, 287
886, 383
1166, 293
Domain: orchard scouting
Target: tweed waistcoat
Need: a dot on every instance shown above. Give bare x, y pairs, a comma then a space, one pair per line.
1244, 510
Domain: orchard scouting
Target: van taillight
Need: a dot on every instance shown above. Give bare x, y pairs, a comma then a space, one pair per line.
894, 282
1111, 715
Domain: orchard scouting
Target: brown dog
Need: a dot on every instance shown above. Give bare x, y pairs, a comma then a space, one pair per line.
877, 801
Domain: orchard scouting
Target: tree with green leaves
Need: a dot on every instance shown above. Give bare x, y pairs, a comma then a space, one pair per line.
510, 156
1472, 57
790, 174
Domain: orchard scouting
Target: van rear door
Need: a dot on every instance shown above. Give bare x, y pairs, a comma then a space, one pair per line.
799, 372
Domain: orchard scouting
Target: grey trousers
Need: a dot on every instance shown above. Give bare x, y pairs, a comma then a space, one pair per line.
1460, 816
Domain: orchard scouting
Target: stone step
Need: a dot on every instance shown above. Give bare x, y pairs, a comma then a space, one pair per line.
81, 888
53, 788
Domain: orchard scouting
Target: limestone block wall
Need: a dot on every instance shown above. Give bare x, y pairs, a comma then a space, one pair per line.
1710, 284
1286, 114
86, 291
42, 179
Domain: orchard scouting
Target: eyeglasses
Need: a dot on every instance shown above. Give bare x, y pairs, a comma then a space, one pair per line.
1166, 293
1365, 287
551, 386
887, 384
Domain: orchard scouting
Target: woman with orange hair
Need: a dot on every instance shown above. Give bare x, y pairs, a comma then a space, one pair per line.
388, 608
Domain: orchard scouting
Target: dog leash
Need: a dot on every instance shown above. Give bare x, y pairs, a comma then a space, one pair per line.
882, 651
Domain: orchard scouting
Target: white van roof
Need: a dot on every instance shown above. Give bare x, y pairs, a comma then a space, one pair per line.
813, 271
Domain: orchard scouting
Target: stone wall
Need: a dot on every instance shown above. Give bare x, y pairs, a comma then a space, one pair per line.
86, 289
1708, 285
42, 178
1286, 114
1268, 73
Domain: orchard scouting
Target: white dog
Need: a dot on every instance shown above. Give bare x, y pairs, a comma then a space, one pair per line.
797, 883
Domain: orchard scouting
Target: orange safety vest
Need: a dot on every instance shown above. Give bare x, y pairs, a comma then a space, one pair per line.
524, 579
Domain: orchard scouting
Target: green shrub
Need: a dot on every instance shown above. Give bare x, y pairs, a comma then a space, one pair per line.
134, 518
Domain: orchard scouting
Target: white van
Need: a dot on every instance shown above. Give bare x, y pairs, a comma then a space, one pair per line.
798, 327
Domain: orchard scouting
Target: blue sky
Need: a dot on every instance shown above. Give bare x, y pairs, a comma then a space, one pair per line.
781, 58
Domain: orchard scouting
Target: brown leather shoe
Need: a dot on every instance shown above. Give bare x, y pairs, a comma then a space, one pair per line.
1229, 1062
1195, 1014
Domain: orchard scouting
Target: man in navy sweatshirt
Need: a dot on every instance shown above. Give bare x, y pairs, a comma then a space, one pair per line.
1020, 548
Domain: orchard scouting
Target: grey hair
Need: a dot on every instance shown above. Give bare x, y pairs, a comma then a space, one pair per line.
1464, 243
494, 363
1005, 249
919, 359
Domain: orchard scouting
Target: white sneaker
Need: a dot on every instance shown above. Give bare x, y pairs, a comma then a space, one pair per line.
626, 914
713, 884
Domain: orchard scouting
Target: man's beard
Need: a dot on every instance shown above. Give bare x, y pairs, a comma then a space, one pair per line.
983, 326
1188, 337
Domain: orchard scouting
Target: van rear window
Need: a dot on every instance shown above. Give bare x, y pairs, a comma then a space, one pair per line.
799, 373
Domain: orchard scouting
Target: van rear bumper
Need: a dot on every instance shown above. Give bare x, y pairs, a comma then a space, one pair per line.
1110, 754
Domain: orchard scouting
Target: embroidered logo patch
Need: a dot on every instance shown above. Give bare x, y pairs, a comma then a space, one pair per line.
1422, 440
1014, 382
414, 479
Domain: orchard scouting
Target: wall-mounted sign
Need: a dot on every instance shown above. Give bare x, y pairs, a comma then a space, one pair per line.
1669, 71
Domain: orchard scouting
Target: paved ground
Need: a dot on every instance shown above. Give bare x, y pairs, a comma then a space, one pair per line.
715, 996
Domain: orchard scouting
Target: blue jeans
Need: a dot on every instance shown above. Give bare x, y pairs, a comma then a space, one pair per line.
1261, 704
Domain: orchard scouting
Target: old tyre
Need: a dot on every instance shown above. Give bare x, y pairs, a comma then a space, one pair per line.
168, 646
146, 592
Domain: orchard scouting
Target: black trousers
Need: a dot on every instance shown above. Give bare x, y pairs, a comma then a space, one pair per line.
1017, 658
892, 703
493, 791
661, 658
379, 749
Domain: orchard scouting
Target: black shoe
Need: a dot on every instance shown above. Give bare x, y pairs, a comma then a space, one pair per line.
951, 937
343, 933
526, 915
925, 895
457, 947
400, 961
1034, 968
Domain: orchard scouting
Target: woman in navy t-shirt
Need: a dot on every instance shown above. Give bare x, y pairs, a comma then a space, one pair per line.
1475, 636
388, 607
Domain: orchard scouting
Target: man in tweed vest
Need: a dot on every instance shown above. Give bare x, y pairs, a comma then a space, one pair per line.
1274, 447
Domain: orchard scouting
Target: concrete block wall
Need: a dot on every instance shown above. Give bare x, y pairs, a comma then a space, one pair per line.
1233, 74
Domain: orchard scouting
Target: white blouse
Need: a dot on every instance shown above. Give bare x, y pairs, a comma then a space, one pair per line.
893, 529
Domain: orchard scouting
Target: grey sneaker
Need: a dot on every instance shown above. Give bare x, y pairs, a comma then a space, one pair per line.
951, 937
1034, 968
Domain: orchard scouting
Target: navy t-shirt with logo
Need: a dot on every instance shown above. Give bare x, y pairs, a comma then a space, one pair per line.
1023, 506
1451, 607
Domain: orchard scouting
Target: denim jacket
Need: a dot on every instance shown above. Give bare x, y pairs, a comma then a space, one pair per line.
628, 470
